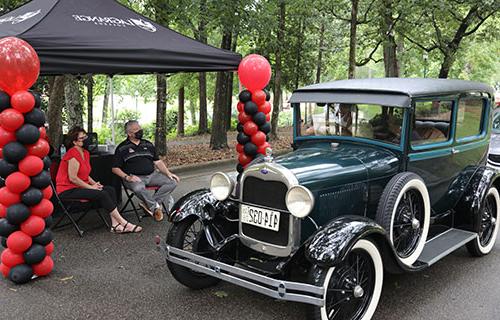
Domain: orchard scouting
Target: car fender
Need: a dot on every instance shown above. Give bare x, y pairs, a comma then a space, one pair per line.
468, 208
196, 203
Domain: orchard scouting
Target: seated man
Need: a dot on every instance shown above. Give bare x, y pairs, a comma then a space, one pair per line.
135, 161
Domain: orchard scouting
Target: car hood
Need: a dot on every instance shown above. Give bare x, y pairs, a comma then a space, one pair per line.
319, 165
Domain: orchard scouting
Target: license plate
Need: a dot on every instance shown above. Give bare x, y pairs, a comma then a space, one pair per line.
259, 217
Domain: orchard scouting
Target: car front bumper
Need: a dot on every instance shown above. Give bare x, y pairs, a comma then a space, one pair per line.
278, 289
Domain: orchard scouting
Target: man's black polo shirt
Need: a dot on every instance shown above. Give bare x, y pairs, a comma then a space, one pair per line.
135, 159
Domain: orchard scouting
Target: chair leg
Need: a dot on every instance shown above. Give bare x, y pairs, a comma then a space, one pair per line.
72, 221
103, 219
130, 200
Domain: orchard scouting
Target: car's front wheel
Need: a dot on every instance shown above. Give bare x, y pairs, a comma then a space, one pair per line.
189, 235
353, 287
487, 227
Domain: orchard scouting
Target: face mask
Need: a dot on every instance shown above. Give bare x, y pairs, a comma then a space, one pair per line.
86, 143
139, 134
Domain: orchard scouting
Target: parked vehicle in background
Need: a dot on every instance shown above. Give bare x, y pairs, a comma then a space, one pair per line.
494, 153
386, 174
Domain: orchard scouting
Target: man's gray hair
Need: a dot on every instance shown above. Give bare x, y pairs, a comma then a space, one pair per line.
129, 123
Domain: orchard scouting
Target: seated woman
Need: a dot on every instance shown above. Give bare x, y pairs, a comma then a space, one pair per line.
74, 182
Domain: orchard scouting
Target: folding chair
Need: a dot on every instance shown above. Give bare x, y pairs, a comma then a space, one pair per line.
130, 199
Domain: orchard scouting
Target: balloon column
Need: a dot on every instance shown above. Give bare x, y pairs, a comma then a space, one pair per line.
25, 190
254, 73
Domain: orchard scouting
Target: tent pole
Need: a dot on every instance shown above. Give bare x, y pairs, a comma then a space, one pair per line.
112, 110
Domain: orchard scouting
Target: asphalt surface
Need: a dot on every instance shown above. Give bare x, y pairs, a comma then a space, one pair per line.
108, 276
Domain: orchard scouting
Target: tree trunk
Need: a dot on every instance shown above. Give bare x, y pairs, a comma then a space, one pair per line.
298, 56
390, 48
192, 110
54, 114
74, 107
90, 103
218, 139
161, 115
202, 37
230, 80
320, 52
180, 115
277, 73
105, 104
351, 73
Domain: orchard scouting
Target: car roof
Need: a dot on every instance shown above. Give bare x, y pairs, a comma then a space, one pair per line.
412, 87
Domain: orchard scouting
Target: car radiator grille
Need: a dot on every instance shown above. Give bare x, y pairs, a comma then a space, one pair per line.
494, 157
269, 194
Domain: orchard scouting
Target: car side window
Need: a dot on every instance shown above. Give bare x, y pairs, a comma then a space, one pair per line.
431, 122
470, 113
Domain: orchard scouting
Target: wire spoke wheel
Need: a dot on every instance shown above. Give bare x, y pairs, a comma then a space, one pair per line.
488, 220
408, 224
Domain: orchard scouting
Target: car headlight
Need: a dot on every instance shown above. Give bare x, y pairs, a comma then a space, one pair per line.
221, 186
299, 201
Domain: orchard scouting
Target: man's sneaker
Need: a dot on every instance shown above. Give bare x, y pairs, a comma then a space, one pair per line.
145, 208
158, 214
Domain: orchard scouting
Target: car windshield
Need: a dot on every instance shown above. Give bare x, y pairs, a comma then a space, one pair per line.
496, 122
369, 121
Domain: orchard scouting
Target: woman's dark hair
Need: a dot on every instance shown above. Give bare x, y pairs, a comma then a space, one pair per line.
72, 136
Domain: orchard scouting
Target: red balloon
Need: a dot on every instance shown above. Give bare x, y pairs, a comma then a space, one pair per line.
259, 138
17, 182
43, 209
250, 128
8, 198
43, 268
19, 241
40, 148
11, 258
47, 192
3, 211
4, 270
1, 152
262, 148
6, 136
239, 148
240, 106
11, 119
43, 133
259, 97
265, 107
31, 165
254, 72
243, 117
268, 117
33, 226
22, 101
49, 248
244, 159
19, 65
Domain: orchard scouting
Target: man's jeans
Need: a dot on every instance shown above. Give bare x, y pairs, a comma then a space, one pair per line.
156, 178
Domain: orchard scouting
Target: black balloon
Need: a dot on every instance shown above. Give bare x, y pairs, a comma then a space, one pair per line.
6, 228
3, 241
46, 163
259, 118
239, 168
28, 134
245, 96
35, 117
239, 127
268, 95
44, 238
266, 128
14, 152
34, 254
21, 273
242, 138
41, 181
267, 138
251, 108
49, 221
2, 182
6, 168
250, 149
38, 99
31, 197
17, 213
4, 101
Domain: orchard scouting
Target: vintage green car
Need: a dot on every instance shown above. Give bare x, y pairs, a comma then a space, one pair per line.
386, 174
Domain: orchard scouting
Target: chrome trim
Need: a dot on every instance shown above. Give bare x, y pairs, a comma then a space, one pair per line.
275, 172
271, 287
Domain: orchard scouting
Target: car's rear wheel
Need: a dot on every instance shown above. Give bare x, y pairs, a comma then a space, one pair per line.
189, 235
487, 227
404, 212
353, 287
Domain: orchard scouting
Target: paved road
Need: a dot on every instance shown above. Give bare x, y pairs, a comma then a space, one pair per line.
106, 276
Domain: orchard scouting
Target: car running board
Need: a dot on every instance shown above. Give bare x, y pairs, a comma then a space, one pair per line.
444, 244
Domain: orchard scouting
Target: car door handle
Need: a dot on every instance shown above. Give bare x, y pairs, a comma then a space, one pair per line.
454, 151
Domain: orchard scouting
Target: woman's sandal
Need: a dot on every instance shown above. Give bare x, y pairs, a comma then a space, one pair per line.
124, 228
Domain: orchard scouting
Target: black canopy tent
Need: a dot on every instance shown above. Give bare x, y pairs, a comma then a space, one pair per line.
105, 37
